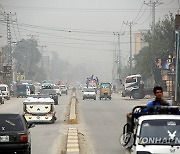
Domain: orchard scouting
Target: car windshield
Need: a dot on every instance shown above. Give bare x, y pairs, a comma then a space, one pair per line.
21, 87
130, 79
105, 85
39, 96
10, 123
89, 90
47, 91
161, 131
3, 88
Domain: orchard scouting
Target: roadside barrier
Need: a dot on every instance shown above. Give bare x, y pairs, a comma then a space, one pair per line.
72, 141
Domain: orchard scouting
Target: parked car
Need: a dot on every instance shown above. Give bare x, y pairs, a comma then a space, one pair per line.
1, 97
14, 134
52, 93
89, 93
5, 91
63, 89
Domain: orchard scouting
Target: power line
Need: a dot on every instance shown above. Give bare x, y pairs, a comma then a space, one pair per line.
14, 30
2, 8
80, 9
146, 19
138, 12
141, 15
169, 2
18, 27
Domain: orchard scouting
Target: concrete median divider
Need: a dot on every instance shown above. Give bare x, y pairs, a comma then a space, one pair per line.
73, 116
72, 141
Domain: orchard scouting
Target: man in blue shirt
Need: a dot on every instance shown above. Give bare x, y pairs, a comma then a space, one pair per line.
159, 101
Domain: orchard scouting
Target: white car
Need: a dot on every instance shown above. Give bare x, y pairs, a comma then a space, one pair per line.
1, 98
63, 89
89, 93
5, 91
58, 90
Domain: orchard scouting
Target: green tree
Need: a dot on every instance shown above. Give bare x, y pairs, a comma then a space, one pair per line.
160, 45
27, 55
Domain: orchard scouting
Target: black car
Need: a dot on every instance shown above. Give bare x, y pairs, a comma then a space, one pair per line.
14, 134
52, 93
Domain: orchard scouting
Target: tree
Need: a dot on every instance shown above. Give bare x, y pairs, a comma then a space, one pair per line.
161, 45
27, 55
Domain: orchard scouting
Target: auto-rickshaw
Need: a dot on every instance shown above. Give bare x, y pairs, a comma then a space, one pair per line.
105, 91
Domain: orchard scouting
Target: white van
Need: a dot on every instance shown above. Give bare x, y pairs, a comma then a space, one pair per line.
5, 91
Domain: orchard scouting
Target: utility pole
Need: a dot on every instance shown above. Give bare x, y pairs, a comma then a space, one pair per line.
8, 71
153, 4
177, 47
130, 24
118, 56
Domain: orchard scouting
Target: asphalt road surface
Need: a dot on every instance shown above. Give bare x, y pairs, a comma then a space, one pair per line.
102, 122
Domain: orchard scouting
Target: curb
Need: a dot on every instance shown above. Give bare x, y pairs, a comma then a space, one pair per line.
72, 141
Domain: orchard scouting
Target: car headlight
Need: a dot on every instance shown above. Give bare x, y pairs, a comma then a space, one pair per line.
143, 152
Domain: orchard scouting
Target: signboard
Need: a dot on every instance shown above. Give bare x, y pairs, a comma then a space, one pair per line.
7, 69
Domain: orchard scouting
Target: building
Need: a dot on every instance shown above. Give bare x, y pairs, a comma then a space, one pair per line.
139, 43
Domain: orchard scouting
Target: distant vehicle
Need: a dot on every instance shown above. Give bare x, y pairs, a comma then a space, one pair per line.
5, 91
152, 130
105, 91
134, 86
89, 93
52, 93
1, 97
14, 134
63, 89
22, 90
58, 90
39, 110
47, 85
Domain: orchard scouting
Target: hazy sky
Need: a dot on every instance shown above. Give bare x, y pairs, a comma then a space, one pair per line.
82, 30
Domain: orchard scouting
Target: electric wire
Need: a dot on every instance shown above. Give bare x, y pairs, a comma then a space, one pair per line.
138, 12
80, 9
141, 14
14, 30
2, 8
169, 2
18, 27
146, 19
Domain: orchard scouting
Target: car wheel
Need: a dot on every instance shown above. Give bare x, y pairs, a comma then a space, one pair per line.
136, 94
94, 98
8, 98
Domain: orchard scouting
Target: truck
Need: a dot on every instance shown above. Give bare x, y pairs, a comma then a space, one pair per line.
134, 87
152, 130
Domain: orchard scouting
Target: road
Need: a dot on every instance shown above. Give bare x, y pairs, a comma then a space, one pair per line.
46, 138
102, 122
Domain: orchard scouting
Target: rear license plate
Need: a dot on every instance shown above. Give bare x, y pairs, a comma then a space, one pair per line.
4, 138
